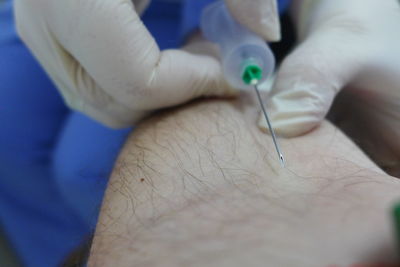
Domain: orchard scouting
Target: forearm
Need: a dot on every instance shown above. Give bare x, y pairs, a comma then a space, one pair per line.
200, 185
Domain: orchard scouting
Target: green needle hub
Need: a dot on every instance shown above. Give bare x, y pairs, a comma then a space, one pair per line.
251, 73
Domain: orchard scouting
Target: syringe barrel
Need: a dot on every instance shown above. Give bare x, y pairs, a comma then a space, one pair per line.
238, 46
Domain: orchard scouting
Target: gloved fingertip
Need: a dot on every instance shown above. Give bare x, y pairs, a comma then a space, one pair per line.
141, 5
289, 128
270, 29
261, 17
228, 91
294, 112
221, 89
300, 101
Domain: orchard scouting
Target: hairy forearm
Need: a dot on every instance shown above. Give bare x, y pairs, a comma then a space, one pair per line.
201, 186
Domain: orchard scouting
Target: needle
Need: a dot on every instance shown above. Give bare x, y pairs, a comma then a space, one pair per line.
278, 150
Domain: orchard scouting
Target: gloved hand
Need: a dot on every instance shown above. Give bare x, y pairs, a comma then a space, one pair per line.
108, 66
343, 44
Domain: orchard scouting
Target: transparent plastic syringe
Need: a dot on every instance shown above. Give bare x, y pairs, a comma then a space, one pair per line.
240, 49
246, 58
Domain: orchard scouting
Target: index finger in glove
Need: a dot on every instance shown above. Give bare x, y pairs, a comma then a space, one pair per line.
260, 16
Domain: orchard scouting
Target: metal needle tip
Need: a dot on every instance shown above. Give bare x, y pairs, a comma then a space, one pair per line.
282, 160
271, 130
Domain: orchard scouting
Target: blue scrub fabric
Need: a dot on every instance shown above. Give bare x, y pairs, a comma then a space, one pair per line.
54, 162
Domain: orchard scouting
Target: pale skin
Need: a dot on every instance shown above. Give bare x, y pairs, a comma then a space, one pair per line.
200, 185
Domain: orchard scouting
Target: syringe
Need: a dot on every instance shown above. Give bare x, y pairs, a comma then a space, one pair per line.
246, 59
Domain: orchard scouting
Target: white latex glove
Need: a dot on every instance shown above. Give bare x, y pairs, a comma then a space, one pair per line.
108, 66
351, 44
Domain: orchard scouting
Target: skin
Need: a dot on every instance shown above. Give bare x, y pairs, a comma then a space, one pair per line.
200, 185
